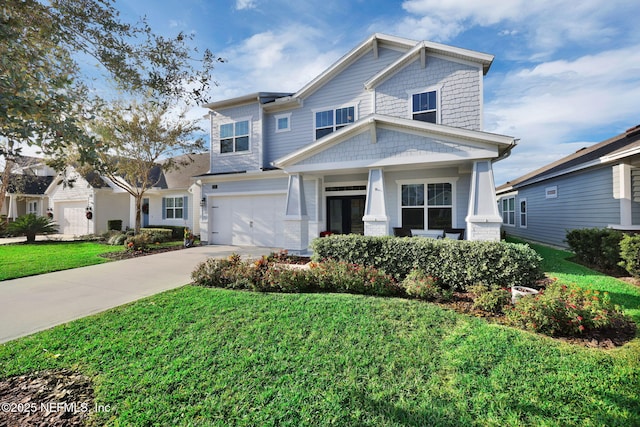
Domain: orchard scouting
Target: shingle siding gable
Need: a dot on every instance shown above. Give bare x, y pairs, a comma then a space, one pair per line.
459, 90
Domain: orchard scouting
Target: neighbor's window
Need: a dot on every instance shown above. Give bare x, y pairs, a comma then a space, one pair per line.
283, 122
509, 211
32, 207
329, 121
174, 207
424, 106
523, 213
234, 137
439, 206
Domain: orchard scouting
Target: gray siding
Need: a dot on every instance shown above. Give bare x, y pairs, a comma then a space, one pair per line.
458, 86
243, 161
585, 200
347, 88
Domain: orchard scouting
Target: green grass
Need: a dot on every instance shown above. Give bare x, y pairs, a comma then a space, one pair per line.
556, 264
197, 356
21, 260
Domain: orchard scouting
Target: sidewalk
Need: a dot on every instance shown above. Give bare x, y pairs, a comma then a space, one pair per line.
36, 303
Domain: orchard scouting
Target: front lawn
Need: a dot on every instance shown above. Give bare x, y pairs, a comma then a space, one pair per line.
206, 356
21, 260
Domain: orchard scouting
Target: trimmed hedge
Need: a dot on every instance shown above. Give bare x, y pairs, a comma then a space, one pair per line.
114, 224
157, 234
177, 231
599, 247
456, 263
630, 254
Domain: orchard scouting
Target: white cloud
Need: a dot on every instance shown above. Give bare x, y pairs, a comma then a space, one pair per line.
547, 105
280, 61
245, 4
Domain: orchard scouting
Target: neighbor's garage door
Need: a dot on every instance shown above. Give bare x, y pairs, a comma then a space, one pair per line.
247, 220
70, 217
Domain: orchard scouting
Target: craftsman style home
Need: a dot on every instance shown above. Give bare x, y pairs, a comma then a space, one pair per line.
389, 137
595, 187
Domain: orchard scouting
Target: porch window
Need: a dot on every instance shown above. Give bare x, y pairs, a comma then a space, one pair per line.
437, 212
234, 137
440, 205
329, 121
174, 207
32, 207
424, 106
509, 211
523, 213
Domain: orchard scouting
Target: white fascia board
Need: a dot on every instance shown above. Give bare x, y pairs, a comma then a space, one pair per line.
233, 102
620, 155
476, 138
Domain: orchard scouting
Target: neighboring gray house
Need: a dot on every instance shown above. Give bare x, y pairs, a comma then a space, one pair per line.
28, 181
597, 186
388, 136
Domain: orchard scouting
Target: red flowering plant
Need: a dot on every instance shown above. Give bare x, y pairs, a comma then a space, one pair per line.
560, 310
419, 284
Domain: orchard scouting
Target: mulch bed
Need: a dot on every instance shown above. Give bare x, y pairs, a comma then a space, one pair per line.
60, 398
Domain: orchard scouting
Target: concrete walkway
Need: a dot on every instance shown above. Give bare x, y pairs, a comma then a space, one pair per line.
35, 303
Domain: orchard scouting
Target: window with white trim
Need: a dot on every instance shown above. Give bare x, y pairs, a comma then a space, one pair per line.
509, 211
32, 207
523, 213
424, 106
436, 210
329, 121
174, 207
283, 122
234, 137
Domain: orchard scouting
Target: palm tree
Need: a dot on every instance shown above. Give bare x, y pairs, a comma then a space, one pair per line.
29, 225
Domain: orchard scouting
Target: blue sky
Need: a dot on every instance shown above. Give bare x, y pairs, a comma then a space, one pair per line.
566, 73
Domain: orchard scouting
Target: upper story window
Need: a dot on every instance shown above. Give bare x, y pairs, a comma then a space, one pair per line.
424, 106
283, 122
234, 137
331, 120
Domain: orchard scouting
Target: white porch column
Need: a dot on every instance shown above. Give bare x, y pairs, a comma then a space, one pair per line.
625, 195
483, 218
296, 222
376, 221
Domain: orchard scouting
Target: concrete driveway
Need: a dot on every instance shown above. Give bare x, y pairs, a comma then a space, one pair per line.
35, 303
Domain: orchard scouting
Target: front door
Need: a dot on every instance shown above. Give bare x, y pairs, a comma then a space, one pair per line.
344, 214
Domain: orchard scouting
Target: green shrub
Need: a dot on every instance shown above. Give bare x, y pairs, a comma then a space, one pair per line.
279, 278
490, 298
157, 234
456, 263
138, 243
563, 311
114, 224
117, 239
598, 247
30, 225
340, 276
420, 285
177, 231
630, 254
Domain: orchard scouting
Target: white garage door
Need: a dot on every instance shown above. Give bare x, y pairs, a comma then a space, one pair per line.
70, 217
247, 220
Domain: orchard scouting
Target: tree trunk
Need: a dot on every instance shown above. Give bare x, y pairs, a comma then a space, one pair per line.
31, 237
138, 214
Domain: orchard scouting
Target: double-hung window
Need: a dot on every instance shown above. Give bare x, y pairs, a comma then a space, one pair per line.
174, 207
424, 106
32, 207
234, 137
435, 210
509, 211
523, 213
329, 121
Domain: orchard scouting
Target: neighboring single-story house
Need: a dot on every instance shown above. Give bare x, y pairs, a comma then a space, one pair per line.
28, 183
390, 136
597, 186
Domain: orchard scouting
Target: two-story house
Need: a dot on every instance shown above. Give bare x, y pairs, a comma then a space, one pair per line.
388, 136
